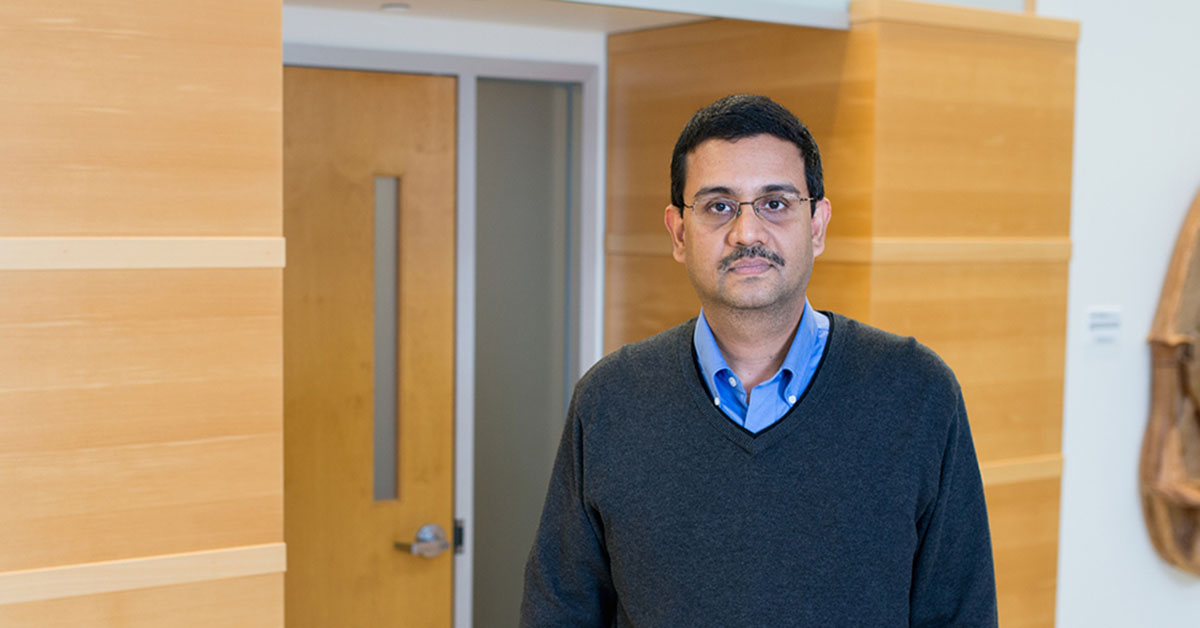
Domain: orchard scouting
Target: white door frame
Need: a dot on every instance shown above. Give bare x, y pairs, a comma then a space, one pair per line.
590, 223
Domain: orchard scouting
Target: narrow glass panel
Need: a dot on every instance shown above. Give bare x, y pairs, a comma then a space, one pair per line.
387, 205
526, 171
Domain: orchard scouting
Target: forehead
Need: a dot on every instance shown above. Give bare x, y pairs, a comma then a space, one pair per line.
745, 164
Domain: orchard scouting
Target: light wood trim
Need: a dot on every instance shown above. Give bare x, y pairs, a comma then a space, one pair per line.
138, 573
908, 250
45, 253
249, 602
1017, 470
1031, 6
848, 250
963, 18
889, 250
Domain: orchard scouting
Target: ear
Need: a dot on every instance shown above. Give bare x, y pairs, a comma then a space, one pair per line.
673, 219
820, 224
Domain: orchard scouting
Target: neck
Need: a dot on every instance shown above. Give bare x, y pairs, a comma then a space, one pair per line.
753, 343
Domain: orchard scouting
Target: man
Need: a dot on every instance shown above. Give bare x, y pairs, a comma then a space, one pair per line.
764, 464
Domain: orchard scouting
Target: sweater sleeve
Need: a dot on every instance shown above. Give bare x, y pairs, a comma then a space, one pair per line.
567, 577
953, 580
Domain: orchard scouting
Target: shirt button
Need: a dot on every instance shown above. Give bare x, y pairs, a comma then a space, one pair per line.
717, 401
792, 399
732, 381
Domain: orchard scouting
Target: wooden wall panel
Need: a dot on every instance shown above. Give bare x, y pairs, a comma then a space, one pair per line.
155, 390
1002, 328
974, 133
141, 339
1024, 522
841, 287
250, 602
651, 291
124, 117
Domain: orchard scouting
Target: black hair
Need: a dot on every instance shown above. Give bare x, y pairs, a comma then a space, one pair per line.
745, 115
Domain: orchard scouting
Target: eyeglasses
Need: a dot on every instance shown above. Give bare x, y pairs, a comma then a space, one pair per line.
777, 209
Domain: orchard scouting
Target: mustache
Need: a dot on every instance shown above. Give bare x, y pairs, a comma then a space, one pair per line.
756, 250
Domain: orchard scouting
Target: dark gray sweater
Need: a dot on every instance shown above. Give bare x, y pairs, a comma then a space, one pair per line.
862, 506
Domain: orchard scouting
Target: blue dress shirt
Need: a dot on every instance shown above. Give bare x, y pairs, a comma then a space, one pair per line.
772, 399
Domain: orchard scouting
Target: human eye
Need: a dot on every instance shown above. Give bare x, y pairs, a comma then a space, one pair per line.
718, 207
777, 205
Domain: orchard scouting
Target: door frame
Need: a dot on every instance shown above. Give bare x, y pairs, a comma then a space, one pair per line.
589, 223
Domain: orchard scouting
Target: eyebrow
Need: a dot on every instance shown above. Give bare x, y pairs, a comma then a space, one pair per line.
766, 189
714, 189
779, 187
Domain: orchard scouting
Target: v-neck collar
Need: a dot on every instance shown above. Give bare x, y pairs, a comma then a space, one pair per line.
753, 443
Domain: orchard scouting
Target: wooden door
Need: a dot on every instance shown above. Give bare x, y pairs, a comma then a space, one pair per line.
342, 131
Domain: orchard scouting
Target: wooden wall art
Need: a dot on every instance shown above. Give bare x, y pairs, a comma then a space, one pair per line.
1170, 464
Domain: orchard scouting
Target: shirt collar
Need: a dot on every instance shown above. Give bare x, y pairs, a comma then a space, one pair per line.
713, 364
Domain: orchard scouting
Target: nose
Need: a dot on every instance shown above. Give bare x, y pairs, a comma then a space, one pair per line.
747, 227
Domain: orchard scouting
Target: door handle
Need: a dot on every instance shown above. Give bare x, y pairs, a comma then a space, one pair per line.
431, 541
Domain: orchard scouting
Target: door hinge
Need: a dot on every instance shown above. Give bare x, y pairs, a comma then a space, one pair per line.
458, 536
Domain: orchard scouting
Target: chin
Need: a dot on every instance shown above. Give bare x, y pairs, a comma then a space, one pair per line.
752, 302
762, 300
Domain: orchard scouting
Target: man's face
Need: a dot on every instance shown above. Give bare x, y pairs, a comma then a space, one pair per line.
775, 275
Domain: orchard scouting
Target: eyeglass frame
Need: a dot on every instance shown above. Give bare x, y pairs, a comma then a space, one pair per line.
812, 200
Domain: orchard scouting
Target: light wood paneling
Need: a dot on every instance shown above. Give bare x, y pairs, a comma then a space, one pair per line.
1015, 470
46, 253
138, 573
1002, 328
124, 117
344, 129
959, 250
149, 406
651, 293
249, 602
842, 288
979, 20
1024, 523
950, 250
973, 133
140, 410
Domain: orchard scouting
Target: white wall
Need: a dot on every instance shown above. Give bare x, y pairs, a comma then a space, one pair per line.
1137, 168
385, 31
